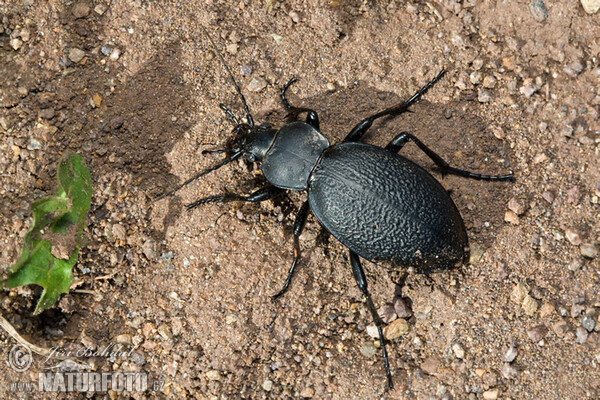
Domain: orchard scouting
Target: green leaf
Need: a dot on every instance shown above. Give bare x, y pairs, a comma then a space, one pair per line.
51, 245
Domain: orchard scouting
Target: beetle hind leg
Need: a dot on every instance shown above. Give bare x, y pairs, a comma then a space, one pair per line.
399, 141
361, 280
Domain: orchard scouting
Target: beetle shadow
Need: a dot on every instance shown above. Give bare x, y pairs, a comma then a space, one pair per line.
454, 130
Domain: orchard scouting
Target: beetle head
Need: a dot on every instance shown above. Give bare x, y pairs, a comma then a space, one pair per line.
252, 142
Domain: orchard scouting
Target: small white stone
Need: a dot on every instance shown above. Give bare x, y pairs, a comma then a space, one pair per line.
591, 6
16, 43
267, 385
459, 352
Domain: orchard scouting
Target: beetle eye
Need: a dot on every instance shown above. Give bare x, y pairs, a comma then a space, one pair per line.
251, 157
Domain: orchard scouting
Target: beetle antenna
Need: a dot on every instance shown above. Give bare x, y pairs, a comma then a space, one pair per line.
237, 88
233, 157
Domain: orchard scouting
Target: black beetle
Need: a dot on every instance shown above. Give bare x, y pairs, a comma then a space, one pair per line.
380, 205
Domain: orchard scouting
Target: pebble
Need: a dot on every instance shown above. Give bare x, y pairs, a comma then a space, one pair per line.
511, 217
246, 69
372, 331
546, 310
24, 34
115, 54
589, 250
508, 371
257, 84
294, 16
165, 332
431, 365
119, 231
267, 385
511, 354
567, 131
475, 77
80, 10
537, 333
573, 236
100, 9
581, 335
548, 196
591, 6
124, 339
574, 69
402, 307
529, 87
538, 10
387, 313
214, 375
368, 349
106, 50
489, 82
588, 322
458, 351
307, 393
576, 310
76, 54
560, 328
491, 394
519, 292
149, 249
15, 43
484, 96
396, 329
138, 358
232, 48
529, 305
575, 265
519, 207
34, 144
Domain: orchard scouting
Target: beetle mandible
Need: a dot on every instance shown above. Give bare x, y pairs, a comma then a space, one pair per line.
378, 204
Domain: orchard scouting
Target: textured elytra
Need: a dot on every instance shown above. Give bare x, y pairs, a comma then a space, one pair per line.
293, 155
385, 207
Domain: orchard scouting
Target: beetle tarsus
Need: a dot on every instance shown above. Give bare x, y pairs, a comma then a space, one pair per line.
298, 228
361, 280
397, 143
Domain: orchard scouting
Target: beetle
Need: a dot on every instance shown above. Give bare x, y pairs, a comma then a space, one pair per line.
378, 204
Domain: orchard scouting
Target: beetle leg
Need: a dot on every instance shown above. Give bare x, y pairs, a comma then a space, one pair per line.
312, 118
285, 87
256, 197
361, 128
298, 227
361, 280
399, 141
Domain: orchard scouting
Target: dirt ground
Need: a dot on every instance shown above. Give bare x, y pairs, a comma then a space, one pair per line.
134, 87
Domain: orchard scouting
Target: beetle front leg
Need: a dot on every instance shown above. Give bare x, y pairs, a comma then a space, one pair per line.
256, 197
361, 280
312, 118
298, 227
399, 141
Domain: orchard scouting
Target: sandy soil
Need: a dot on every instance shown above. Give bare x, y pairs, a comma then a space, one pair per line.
134, 87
